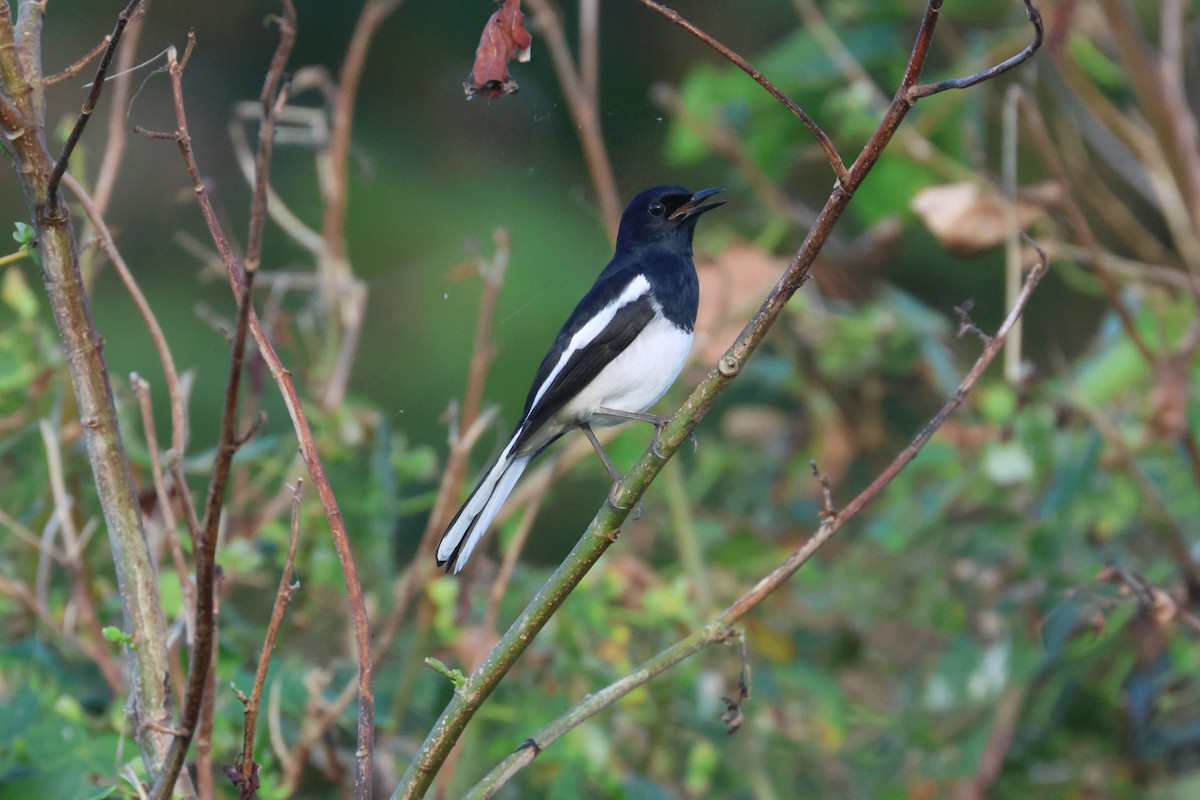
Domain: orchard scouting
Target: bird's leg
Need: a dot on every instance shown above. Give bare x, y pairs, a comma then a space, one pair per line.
612, 471
658, 422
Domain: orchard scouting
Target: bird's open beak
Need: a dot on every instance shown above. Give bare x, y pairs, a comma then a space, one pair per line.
692, 207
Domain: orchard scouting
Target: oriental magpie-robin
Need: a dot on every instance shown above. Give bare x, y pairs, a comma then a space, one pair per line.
616, 355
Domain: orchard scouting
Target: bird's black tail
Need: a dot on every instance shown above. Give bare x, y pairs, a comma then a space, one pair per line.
476, 515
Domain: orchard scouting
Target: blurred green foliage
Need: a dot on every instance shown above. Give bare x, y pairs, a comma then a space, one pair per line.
958, 623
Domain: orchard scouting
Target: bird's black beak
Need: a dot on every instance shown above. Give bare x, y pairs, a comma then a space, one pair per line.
692, 207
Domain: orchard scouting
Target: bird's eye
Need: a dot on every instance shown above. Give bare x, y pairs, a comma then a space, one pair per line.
657, 209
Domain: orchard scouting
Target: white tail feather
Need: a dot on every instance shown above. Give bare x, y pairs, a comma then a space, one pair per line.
481, 508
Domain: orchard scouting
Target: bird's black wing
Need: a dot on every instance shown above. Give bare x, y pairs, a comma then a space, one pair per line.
585, 359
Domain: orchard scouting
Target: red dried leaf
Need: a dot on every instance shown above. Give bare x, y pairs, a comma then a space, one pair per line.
504, 39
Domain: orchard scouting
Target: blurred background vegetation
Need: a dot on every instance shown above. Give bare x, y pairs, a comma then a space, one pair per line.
1010, 619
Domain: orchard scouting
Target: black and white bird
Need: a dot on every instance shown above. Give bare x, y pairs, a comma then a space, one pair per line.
616, 355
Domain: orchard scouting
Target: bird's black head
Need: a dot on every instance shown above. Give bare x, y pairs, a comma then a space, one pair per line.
664, 214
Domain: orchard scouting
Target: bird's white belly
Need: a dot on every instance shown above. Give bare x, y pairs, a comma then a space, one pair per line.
635, 379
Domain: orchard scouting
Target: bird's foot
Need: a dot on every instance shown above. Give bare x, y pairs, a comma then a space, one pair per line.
612, 500
658, 429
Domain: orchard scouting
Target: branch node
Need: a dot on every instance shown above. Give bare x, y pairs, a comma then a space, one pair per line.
965, 325
828, 512
530, 744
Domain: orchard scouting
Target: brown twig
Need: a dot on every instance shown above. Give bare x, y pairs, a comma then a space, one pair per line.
720, 628
205, 554
116, 137
831, 153
1035, 19
277, 209
203, 745
89, 104
77, 67
165, 358
246, 772
165, 507
230, 439
272, 100
828, 509
312, 460
589, 47
583, 103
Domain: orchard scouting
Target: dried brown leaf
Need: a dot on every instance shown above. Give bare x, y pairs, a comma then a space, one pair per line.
730, 283
968, 218
504, 39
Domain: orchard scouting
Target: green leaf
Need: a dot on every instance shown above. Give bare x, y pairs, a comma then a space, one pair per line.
1099, 67
116, 635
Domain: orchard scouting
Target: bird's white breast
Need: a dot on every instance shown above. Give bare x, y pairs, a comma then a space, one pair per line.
635, 379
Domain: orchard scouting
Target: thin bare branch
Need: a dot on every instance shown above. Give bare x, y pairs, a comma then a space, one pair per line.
117, 134
205, 787
165, 507
89, 104
1035, 19
831, 153
274, 96
245, 776
165, 358
83, 61
205, 553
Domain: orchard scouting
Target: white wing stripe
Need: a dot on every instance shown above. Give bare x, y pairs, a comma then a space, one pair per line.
584, 336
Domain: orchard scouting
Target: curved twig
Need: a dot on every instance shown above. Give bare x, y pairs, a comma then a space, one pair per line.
1035, 18
831, 153
89, 104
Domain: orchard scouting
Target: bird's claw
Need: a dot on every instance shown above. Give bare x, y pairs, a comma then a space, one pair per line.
658, 429
612, 501
612, 496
